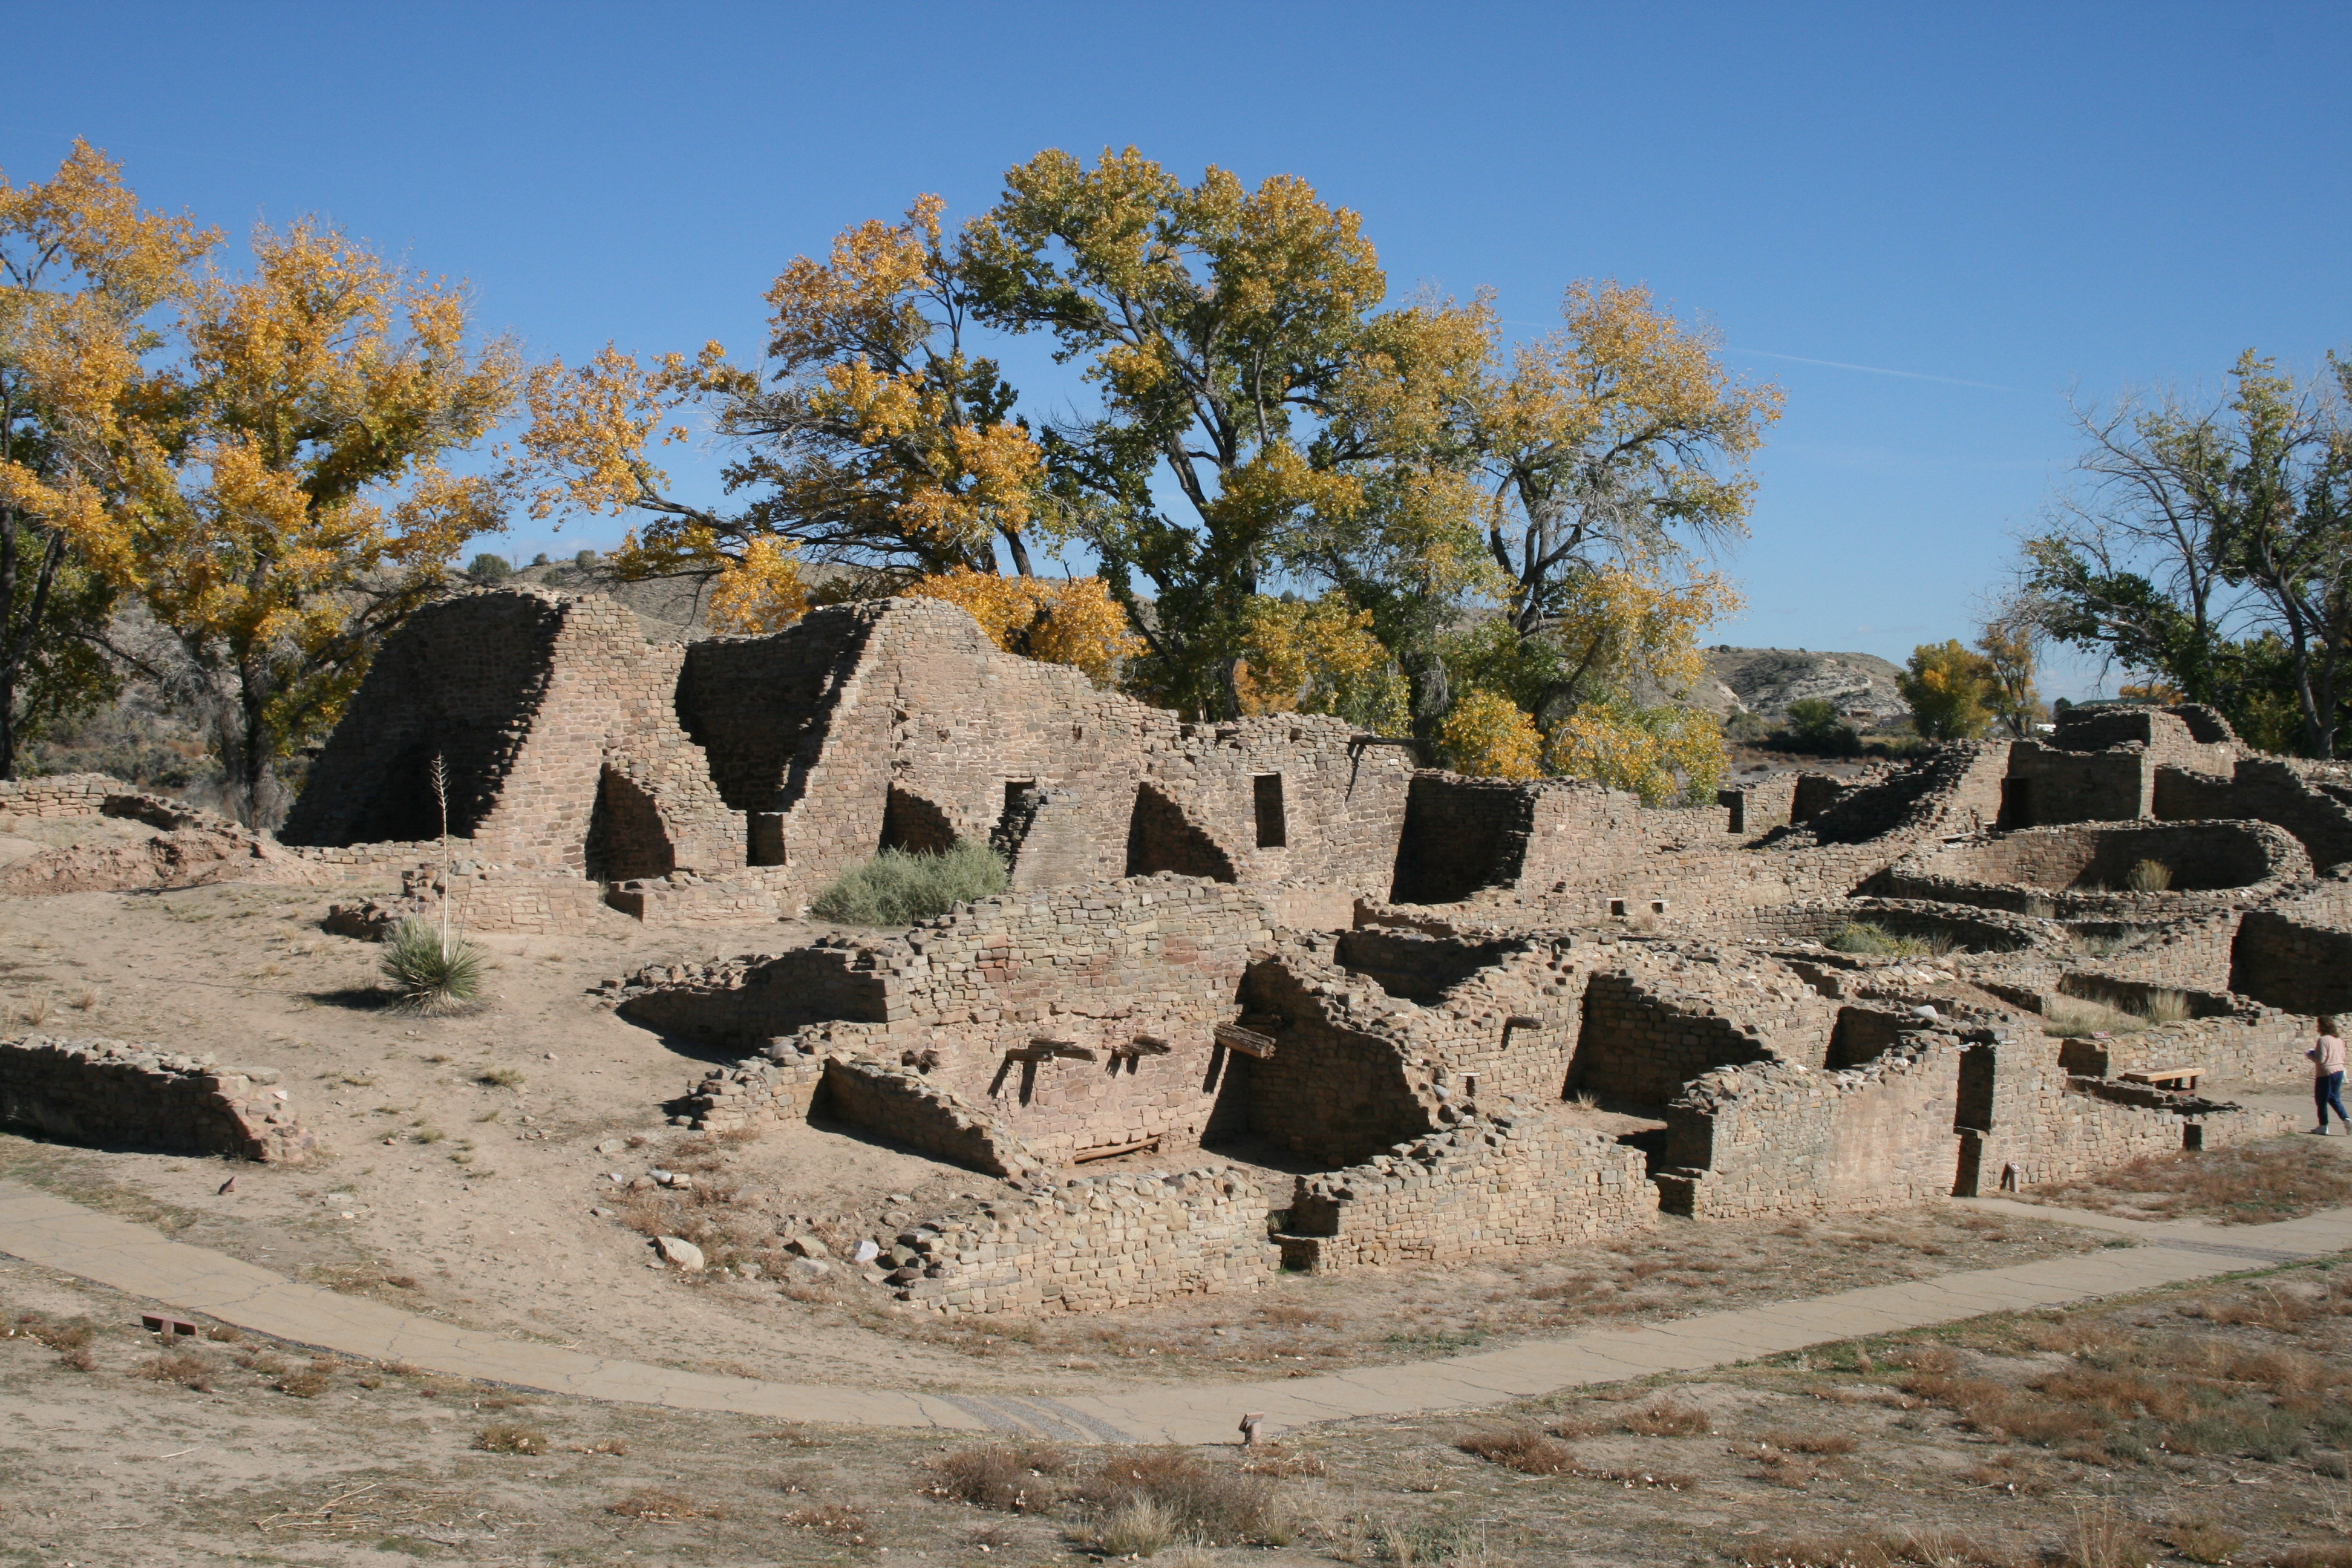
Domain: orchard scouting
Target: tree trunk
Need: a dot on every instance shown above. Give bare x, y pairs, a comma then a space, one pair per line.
1020, 552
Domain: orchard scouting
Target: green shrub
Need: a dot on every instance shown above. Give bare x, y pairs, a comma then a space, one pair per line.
488, 568
585, 560
427, 975
899, 887
1814, 723
1871, 939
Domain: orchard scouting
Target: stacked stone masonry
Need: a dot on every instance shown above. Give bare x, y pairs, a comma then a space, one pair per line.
107, 1092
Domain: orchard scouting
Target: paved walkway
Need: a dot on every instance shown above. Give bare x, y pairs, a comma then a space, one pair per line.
137, 1260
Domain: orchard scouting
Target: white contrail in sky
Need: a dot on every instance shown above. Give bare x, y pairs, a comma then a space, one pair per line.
1872, 368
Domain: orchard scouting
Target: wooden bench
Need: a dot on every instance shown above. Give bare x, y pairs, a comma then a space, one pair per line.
2182, 1078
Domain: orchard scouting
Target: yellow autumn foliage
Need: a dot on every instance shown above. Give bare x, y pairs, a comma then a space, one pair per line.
1320, 656
1659, 752
763, 592
1487, 735
1072, 621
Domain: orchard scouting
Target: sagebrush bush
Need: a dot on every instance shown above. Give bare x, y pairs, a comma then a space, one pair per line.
2149, 876
899, 887
427, 974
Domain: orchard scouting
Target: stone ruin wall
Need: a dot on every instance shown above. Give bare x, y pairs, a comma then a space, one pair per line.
1776, 1138
1380, 1035
1486, 1186
146, 1096
1653, 1024
1095, 969
1092, 1245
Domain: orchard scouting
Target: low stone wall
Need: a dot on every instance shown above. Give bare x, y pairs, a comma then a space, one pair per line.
1648, 1030
2064, 1129
2293, 965
1817, 920
684, 898
1778, 1138
2251, 1045
106, 1091
1092, 1245
900, 1104
485, 899
1485, 1186
2083, 869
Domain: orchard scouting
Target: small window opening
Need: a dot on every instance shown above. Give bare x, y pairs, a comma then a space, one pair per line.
1014, 790
1273, 830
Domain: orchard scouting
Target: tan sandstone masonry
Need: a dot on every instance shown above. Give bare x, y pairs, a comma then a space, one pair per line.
1094, 1243
1487, 1186
106, 1091
1078, 1019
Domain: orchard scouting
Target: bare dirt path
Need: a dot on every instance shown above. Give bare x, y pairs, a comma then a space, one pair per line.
41, 1228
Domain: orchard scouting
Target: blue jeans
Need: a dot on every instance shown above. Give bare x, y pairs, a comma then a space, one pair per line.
2327, 1089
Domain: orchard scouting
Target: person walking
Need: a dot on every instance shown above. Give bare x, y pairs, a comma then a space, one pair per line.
2327, 1074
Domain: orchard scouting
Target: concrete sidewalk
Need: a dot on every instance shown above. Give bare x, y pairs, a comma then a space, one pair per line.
137, 1260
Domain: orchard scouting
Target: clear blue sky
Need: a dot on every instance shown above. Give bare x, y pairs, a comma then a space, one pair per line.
1929, 224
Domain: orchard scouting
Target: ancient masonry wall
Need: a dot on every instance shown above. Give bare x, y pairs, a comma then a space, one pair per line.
2293, 964
901, 722
1081, 1019
2309, 800
900, 1103
1648, 1031
2252, 1045
106, 1091
1778, 1138
2227, 857
485, 899
1092, 1245
1489, 1185
2047, 1126
556, 721
1378, 1035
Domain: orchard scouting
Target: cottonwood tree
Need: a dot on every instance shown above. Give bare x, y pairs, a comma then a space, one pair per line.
1217, 321
2196, 522
83, 270
278, 496
870, 434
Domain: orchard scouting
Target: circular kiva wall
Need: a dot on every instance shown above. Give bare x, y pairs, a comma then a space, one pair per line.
2084, 863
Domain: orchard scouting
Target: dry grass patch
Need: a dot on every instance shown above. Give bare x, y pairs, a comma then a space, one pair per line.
1525, 1448
837, 1519
1873, 1549
1014, 1477
182, 1367
1211, 1505
662, 1502
508, 1439
2249, 1185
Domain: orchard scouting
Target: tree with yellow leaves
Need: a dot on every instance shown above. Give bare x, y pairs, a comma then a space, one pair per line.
1488, 735
1217, 320
1950, 690
1072, 621
1617, 438
278, 497
82, 267
1321, 656
872, 437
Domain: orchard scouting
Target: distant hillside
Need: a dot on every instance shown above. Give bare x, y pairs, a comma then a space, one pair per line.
1765, 680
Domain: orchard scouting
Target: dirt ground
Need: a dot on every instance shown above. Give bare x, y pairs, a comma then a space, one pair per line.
463, 1178
2206, 1423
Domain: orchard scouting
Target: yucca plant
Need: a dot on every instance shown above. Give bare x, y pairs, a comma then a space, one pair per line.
434, 971
429, 971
